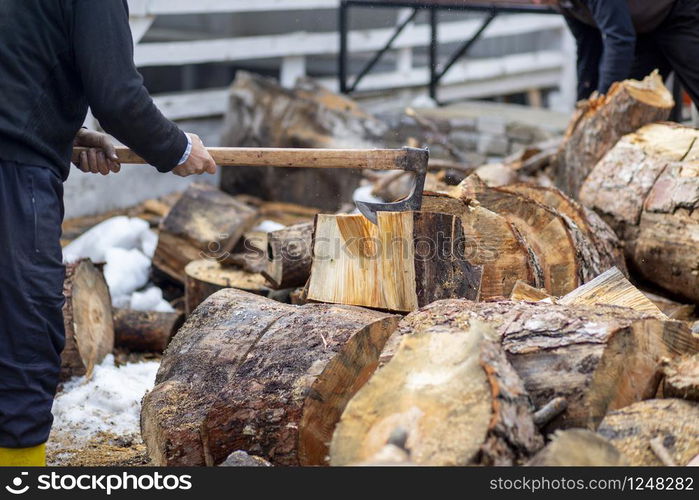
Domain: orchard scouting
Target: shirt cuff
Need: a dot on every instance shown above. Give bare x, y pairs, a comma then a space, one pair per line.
187, 151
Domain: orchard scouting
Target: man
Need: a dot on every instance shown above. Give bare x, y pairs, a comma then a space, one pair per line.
56, 58
620, 39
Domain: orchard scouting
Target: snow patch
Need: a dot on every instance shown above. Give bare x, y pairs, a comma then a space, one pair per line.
268, 226
109, 402
150, 300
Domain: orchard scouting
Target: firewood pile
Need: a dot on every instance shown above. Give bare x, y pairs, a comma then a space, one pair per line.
535, 312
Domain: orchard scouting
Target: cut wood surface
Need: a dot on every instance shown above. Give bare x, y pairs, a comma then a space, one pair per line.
289, 256
602, 120
647, 189
87, 315
145, 331
598, 357
671, 308
491, 242
682, 378
578, 448
407, 260
205, 222
455, 396
612, 288
204, 277
523, 291
632, 429
247, 373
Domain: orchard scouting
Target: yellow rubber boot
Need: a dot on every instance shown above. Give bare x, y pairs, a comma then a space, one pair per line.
23, 457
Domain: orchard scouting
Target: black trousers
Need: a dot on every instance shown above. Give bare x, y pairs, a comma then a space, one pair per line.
673, 46
31, 300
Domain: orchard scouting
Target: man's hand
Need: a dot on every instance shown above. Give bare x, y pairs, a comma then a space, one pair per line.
199, 161
101, 157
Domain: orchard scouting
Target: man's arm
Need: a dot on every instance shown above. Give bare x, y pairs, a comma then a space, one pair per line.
619, 38
114, 89
589, 54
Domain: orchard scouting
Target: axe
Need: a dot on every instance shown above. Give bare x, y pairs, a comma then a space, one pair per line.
407, 159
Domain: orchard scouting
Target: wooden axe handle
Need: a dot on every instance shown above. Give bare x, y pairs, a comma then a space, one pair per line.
376, 159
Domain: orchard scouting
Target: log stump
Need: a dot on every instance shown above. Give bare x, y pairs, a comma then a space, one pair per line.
87, 317
145, 331
289, 256
247, 373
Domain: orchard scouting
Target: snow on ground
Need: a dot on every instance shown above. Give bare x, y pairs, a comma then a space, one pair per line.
109, 402
268, 226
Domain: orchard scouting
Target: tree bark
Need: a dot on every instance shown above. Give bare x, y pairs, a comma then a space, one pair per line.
247, 373
602, 120
647, 189
289, 256
145, 331
205, 277
453, 394
88, 321
204, 223
631, 430
406, 261
599, 358
682, 378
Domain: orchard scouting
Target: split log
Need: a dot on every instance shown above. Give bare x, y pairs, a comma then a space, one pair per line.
602, 120
87, 317
632, 429
247, 373
527, 293
205, 277
612, 288
672, 309
289, 256
647, 189
454, 394
205, 222
578, 448
681, 378
263, 113
145, 331
491, 242
599, 358
406, 261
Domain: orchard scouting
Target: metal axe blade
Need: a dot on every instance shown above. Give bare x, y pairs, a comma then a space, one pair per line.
415, 161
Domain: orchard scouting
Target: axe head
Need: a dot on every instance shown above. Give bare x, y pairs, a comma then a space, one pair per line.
415, 160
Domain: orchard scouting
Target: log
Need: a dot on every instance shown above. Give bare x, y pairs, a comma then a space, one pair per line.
263, 113
454, 394
492, 242
681, 378
87, 317
632, 429
612, 288
406, 261
289, 256
578, 448
204, 223
271, 379
205, 277
524, 292
599, 358
602, 120
647, 189
671, 308
145, 331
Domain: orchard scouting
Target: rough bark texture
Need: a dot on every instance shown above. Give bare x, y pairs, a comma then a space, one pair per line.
578, 448
204, 223
455, 396
599, 358
601, 121
262, 113
247, 373
682, 378
87, 317
289, 255
145, 331
205, 277
406, 261
631, 430
647, 189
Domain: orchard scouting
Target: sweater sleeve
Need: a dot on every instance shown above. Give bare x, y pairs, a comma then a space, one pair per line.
103, 49
613, 19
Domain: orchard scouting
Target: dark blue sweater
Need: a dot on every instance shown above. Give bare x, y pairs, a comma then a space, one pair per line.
56, 58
